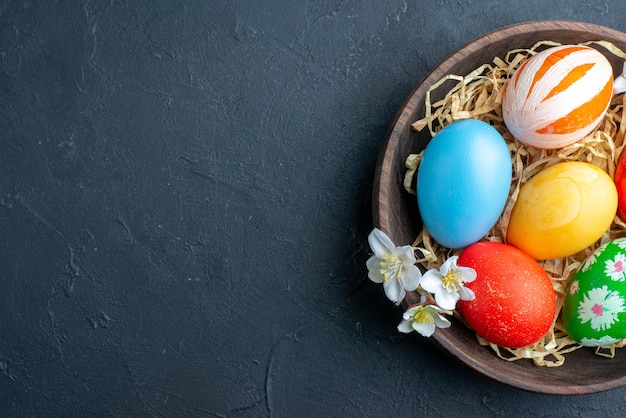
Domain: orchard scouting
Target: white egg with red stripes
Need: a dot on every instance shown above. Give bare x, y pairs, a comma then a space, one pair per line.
558, 96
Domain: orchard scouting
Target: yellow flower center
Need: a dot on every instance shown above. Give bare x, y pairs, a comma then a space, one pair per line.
452, 280
391, 267
424, 315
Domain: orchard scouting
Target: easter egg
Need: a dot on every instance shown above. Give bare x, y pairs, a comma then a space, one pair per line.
515, 302
463, 182
594, 309
562, 210
620, 185
558, 96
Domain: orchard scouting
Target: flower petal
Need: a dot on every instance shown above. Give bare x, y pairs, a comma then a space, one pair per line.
411, 278
466, 293
467, 273
405, 327
448, 265
374, 269
380, 243
447, 300
406, 254
432, 281
410, 311
394, 291
442, 322
425, 328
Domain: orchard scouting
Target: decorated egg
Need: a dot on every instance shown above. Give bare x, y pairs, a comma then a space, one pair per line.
515, 302
594, 309
562, 210
558, 96
620, 185
463, 182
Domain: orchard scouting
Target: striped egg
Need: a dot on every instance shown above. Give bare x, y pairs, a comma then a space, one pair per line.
558, 96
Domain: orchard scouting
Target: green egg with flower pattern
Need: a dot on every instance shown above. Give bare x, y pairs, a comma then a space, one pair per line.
594, 310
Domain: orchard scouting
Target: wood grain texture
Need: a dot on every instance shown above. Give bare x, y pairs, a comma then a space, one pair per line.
395, 211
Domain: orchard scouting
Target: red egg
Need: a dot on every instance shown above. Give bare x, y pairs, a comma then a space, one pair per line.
620, 185
515, 302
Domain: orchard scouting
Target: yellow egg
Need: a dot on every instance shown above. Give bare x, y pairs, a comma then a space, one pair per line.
562, 210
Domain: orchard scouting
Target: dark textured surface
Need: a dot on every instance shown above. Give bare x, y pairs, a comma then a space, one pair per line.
185, 199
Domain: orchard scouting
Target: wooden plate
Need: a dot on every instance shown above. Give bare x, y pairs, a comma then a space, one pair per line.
395, 211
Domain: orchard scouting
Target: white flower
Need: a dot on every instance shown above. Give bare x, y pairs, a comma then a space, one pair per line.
447, 283
594, 342
600, 306
591, 260
392, 266
620, 242
615, 268
423, 318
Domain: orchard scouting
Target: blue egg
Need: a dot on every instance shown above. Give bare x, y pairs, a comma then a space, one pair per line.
463, 182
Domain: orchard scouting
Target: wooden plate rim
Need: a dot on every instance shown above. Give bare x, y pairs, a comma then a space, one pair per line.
445, 339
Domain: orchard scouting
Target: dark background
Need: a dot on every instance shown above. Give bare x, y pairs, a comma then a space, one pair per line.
185, 199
